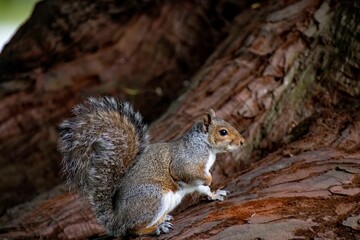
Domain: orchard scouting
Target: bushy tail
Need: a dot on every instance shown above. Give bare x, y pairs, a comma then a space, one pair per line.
99, 144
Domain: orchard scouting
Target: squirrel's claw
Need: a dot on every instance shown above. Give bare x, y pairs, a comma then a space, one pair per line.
168, 218
222, 192
164, 227
219, 195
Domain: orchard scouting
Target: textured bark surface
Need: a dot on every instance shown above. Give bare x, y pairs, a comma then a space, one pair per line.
144, 51
271, 76
287, 77
308, 189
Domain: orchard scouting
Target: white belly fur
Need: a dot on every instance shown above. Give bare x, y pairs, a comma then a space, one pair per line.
171, 200
210, 162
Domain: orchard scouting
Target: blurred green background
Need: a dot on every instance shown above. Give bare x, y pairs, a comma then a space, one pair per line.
12, 14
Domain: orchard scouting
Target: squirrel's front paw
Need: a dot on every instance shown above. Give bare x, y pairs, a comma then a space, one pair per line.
219, 195
168, 218
164, 227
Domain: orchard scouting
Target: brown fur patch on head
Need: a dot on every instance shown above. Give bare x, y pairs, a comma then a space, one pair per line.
223, 136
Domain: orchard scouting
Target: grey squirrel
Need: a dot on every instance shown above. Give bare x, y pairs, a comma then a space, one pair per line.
133, 185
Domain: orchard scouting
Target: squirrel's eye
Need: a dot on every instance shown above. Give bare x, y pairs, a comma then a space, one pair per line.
223, 132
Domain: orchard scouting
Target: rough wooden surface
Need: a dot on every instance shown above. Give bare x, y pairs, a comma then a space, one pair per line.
274, 77
143, 51
308, 189
267, 78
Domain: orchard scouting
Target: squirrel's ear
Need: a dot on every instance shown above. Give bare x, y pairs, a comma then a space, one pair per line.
207, 118
212, 113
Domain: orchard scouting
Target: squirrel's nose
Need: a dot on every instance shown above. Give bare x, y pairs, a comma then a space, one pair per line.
241, 141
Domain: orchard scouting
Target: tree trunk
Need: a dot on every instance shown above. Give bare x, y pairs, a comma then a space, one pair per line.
287, 76
143, 51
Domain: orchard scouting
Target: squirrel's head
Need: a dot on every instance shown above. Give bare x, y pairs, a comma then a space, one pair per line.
221, 135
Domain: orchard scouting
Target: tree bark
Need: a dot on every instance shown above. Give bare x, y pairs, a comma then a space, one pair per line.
307, 189
143, 51
287, 77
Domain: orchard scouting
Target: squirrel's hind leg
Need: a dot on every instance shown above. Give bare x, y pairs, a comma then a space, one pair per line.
144, 231
145, 209
162, 226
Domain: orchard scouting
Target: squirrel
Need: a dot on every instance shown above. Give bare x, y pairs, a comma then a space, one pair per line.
133, 185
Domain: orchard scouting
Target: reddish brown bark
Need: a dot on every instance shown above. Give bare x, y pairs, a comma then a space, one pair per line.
310, 188
143, 51
276, 77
